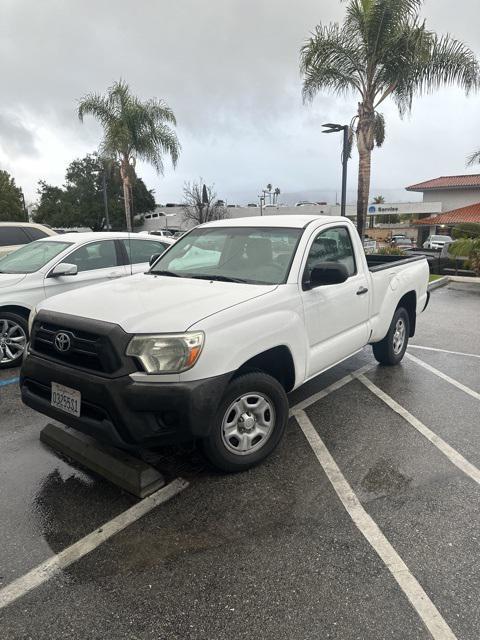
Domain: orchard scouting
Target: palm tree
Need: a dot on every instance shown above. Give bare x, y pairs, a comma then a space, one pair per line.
132, 129
383, 49
379, 200
276, 193
269, 191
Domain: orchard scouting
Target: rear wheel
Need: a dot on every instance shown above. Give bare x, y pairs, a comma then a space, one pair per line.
249, 423
391, 349
13, 339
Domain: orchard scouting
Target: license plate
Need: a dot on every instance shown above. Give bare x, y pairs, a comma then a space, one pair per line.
66, 399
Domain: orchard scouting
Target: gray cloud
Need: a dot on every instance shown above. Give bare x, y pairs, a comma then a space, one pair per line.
15, 138
229, 69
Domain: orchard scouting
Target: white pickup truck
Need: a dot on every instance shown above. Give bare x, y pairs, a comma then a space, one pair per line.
208, 342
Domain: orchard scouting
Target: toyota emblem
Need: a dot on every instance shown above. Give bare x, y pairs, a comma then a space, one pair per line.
62, 342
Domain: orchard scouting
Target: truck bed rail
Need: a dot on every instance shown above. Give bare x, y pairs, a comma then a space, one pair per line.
378, 262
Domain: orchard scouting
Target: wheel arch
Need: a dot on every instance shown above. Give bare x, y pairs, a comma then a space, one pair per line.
24, 312
276, 362
409, 302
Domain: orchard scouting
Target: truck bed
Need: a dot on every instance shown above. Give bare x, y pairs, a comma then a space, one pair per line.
377, 262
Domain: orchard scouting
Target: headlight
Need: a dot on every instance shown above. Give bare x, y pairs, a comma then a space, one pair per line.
168, 353
31, 318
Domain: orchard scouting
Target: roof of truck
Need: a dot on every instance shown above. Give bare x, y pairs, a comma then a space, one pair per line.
285, 221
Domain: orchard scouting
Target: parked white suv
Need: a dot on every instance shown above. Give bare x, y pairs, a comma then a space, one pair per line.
57, 264
207, 344
14, 235
437, 242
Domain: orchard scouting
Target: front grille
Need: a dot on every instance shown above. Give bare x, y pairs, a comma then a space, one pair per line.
87, 351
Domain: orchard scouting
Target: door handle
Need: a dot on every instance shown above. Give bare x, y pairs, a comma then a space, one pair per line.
362, 291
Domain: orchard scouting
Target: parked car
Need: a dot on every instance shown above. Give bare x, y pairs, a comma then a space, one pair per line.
57, 264
437, 242
16, 234
403, 243
207, 344
163, 233
305, 203
370, 245
252, 204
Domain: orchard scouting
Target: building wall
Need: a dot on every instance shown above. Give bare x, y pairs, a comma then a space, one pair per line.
172, 217
452, 199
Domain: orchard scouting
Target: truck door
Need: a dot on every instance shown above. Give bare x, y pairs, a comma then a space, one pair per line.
336, 315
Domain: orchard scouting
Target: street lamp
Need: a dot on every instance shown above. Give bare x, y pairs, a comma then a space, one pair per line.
336, 128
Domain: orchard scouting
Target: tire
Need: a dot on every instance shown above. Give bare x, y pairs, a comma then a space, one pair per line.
13, 339
249, 423
391, 349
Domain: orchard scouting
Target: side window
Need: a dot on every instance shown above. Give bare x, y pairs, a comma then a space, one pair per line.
34, 233
96, 255
139, 251
332, 245
12, 236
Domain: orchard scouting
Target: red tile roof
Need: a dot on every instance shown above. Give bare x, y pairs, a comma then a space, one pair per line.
448, 182
457, 216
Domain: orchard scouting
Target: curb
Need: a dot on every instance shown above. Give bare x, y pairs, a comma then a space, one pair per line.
436, 284
118, 467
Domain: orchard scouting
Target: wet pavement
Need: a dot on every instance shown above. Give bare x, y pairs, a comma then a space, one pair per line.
271, 553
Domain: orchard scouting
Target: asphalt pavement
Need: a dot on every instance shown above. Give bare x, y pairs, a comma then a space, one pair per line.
273, 553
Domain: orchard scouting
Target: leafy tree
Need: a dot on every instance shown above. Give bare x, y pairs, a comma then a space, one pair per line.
467, 243
200, 203
80, 203
469, 247
383, 49
11, 199
132, 129
466, 230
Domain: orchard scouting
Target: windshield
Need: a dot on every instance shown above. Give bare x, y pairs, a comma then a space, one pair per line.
32, 257
233, 254
441, 238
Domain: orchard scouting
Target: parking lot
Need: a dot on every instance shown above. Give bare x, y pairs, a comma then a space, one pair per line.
363, 524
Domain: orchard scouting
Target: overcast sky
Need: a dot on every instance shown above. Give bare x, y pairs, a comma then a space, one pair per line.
229, 70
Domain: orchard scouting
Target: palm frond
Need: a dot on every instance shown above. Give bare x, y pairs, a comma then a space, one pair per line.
95, 105
448, 62
330, 60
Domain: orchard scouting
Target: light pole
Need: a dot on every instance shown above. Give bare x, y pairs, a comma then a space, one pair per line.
262, 202
336, 128
105, 199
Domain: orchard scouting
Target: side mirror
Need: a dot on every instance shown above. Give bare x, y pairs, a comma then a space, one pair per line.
63, 269
325, 273
154, 258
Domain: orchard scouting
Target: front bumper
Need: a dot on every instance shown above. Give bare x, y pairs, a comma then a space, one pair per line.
122, 412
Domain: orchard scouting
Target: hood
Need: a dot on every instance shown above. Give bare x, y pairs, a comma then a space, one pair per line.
153, 304
11, 279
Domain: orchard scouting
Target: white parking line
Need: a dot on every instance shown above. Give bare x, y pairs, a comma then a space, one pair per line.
332, 387
55, 564
407, 582
454, 353
444, 376
452, 454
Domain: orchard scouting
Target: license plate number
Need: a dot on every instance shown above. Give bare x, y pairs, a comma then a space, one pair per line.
66, 399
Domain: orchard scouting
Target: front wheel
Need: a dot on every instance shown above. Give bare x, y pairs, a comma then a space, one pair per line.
13, 339
249, 423
391, 349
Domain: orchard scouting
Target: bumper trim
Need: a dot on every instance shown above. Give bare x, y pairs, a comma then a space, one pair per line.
124, 412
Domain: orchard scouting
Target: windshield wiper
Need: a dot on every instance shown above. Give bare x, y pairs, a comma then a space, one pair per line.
165, 273
219, 278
